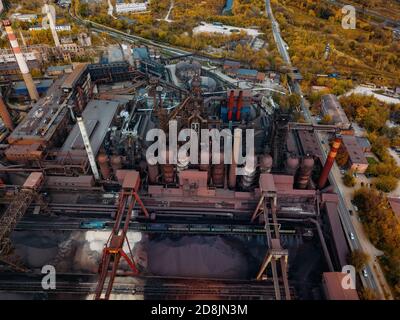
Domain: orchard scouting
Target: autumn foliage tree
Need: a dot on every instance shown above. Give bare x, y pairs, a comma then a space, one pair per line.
383, 228
386, 183
359, 259
349, 180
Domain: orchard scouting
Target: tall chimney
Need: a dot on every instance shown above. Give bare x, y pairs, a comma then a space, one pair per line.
329, 163
231, 103
239, 105
5, 115
23, 67
50, 12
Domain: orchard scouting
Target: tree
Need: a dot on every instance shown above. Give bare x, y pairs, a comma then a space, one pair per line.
349, 180
342, 157
294, 100
386, 183
368, 294
327, 119
359, 259
383, 228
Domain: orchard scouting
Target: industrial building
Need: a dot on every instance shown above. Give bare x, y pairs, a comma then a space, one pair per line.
130, 7
357, 160
233, 69
330, 106
80, 153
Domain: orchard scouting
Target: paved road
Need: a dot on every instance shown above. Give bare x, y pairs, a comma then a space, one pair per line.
167, 17
347, 223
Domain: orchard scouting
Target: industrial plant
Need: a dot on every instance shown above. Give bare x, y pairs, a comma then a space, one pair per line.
79, 194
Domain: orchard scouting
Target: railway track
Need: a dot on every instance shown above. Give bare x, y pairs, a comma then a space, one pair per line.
142, 287
31, 223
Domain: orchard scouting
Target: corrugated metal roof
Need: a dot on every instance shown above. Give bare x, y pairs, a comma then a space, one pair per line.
247, 72
356, 154
337, 232
74, 76
97, 116
363, 142
59, 68
46, 83
232, 63
331, 106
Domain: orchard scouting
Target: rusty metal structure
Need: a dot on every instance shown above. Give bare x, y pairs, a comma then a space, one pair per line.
275, 254
16, 210
113, 250
118, 107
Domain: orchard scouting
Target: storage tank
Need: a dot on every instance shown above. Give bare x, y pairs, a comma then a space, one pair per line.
116, 163
153, 172
218, 172
183, 163
292, 163
248, 178
304, 172
104, 164
204, 154
186, 70
168, 170
207, 84
266, 163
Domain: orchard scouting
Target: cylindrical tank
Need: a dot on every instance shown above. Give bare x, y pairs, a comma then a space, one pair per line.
249, 175
5, 115
153, 172
186, 70
168, 170
204, 166
304, 172
104, 164
292, 163
183, 163
218, 172
266, 163
116, 163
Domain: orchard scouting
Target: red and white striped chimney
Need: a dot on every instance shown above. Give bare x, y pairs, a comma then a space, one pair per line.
23, 67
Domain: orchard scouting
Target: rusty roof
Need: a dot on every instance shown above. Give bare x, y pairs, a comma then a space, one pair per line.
334, 290
356, 153
79, 68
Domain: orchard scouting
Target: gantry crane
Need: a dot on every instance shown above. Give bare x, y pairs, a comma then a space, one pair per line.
275, 251
15, 211
113, 250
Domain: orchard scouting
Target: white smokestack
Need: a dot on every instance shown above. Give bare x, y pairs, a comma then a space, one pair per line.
23, 67
50, 11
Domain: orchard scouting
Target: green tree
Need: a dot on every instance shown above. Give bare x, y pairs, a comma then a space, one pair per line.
386, 183
349, 180
359, 259
327, 119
